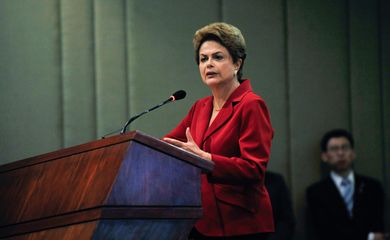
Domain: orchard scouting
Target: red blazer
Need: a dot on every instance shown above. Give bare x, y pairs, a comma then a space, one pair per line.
235, 200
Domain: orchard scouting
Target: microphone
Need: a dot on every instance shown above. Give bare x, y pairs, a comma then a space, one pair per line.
178, 95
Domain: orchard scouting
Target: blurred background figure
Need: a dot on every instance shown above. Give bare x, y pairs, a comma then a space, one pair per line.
280, 195
345, 205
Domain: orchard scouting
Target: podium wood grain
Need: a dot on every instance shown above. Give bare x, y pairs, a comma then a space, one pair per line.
128, 186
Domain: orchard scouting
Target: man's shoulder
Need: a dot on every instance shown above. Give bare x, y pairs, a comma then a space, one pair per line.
368, 181
319, 186
324, 184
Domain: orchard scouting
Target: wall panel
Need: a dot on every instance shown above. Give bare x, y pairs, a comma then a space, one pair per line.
78, 71
319, 86
30, 100
384, 10
111, 73
366, 87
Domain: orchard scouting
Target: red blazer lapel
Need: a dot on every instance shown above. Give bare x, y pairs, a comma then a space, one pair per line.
203, 121
222, 117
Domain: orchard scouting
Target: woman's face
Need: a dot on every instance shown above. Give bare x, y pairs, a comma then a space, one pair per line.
216, 66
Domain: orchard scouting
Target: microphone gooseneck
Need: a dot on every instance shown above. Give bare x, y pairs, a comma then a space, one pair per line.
175, 96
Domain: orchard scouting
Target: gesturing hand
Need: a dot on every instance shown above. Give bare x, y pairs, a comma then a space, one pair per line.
190, 145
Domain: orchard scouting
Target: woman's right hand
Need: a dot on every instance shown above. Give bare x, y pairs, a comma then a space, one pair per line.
190, 145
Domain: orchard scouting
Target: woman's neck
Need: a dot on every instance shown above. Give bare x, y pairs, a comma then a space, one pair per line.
222, 93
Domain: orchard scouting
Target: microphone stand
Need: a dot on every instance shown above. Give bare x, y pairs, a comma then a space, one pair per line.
175, 96
144, 112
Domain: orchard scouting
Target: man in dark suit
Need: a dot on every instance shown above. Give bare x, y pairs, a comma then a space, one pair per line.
345, 205
283, 213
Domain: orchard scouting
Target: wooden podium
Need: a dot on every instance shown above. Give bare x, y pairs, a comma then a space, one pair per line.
130, 186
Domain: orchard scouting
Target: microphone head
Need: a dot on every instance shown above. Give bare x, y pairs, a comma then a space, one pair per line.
178, 95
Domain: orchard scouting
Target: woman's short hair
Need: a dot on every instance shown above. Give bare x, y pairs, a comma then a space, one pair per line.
228, 36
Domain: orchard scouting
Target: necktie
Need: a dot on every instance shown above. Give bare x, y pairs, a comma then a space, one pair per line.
347, 194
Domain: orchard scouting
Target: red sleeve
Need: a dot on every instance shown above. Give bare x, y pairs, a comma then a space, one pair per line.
255, 138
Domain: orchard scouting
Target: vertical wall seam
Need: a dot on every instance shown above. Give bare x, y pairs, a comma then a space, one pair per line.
382, 93
287, 96
386, 164
349, 65
126, 58
94, 67
130, 47
61, 75
221, 16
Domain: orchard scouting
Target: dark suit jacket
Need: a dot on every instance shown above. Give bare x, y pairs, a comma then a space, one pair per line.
330, 217
234, 198
281, 207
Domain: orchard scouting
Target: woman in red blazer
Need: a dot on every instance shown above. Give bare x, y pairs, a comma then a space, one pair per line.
232, 129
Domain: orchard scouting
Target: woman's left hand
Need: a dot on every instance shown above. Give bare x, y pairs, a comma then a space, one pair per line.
190, 145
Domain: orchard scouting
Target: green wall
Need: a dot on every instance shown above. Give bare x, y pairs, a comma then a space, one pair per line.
71, 71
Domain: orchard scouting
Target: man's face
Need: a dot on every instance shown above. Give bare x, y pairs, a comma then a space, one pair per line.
339, 154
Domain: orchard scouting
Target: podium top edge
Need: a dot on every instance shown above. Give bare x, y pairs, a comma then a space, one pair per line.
137, 136
169, 149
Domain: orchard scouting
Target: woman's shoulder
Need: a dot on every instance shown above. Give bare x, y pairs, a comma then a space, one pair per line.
251, 97
252, 102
